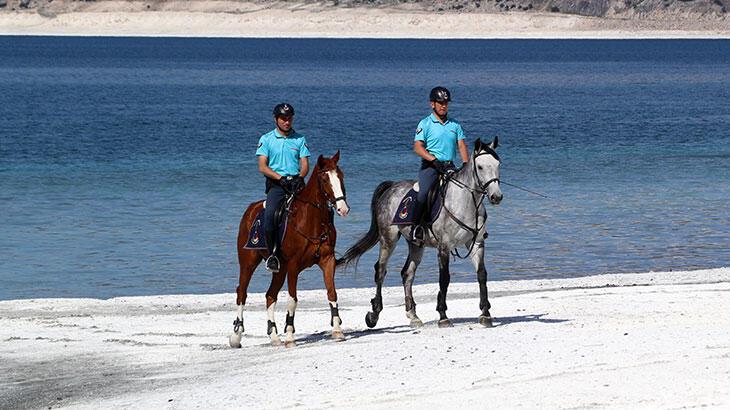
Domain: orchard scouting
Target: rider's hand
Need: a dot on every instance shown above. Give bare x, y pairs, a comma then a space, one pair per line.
439, 166
286, 184
292, 184
297, 183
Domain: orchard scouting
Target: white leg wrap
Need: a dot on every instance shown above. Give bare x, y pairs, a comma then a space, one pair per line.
270, 313
291, 307
336, 321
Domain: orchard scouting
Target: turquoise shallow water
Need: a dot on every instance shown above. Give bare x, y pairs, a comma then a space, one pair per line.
125, 163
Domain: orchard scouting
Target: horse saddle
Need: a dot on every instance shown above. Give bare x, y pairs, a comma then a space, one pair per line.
406, 209
257, 236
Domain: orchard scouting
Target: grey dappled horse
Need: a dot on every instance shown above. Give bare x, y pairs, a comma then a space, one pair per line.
462, 221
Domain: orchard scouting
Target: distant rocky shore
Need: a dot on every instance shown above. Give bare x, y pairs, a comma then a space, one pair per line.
370, 18
631, 9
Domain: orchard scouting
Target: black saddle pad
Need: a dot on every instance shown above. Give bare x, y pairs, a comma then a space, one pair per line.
404, 213
256, 234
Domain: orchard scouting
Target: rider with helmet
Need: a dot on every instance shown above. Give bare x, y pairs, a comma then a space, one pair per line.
283, 158
436, 140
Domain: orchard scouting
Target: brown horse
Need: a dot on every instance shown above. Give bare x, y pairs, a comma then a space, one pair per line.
309, 239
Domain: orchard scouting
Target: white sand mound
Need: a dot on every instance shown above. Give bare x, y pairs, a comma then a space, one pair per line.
635, 340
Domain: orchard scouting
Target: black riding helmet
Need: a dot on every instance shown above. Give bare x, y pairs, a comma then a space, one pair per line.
440, 94
283, 110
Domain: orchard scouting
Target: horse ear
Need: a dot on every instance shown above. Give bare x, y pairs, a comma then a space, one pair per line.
336, 157
495, 143
320, 160
478, 145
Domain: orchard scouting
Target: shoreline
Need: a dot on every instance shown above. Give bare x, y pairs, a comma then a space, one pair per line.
370, 23
613, 340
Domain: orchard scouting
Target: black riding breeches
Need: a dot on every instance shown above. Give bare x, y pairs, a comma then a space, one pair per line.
273, 200
426, 178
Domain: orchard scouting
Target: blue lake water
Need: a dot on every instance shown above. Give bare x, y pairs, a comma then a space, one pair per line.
125, 163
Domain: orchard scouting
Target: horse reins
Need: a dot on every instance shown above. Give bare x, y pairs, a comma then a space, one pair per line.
325, 225
482, 191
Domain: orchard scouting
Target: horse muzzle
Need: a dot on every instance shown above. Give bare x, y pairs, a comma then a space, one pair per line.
342, 208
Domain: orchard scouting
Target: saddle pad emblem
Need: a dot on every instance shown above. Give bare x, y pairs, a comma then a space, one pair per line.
256, 239
256, 235
404, 207
404, 214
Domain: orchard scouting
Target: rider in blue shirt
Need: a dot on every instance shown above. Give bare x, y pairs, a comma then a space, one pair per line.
436, 141
284, 160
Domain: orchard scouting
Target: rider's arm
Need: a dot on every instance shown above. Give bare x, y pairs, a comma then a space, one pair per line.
461, 144
303, 166
463, 151
419, 141
420, 149
304, 158
264, 168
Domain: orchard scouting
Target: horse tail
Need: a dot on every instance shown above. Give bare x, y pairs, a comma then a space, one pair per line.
371, 237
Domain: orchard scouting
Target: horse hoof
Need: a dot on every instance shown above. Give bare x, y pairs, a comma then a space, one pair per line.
445, 323
235, 340
486, 321
338, 335
371, 319
416, 322
290, 343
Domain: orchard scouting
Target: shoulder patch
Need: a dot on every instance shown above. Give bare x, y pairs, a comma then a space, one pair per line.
260, 144
418, 131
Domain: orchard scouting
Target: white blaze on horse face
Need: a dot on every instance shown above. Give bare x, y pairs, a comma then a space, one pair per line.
488, 169
341, 205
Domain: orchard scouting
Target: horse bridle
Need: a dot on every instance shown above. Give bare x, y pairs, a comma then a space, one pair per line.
332, 201
325, 234
486, 151
482, 191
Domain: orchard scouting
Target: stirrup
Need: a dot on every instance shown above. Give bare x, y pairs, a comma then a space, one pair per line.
272, 264
418, 234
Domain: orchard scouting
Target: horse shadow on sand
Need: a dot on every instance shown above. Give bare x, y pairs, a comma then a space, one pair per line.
499, 321
320, 337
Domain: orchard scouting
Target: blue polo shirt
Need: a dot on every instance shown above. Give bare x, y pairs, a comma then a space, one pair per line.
440, 139
283, 151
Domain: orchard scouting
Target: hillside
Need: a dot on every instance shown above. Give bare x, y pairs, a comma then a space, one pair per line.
632, 9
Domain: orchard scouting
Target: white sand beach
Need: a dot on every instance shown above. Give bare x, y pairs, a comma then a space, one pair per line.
650, 340
302, 20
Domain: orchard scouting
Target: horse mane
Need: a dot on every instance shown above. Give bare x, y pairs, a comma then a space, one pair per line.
309, 186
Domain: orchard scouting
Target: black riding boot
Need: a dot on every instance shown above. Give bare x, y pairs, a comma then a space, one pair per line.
418, 229
272, 262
